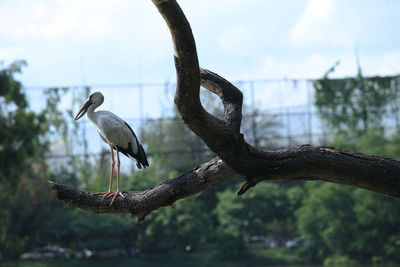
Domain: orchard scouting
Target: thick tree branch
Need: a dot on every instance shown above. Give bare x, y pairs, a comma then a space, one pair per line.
231, 97
295, 164
142, 203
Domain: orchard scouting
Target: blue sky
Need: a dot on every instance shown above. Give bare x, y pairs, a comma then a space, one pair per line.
122, 41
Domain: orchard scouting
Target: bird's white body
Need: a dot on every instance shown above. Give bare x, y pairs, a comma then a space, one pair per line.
112, 129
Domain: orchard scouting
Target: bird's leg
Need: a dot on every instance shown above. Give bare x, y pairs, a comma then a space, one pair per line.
110, 191
118, 192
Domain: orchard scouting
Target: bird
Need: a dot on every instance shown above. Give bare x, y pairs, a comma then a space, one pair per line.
115, 132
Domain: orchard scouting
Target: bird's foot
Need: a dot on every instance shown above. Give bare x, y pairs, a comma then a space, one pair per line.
110, 194
118, 193
102, 193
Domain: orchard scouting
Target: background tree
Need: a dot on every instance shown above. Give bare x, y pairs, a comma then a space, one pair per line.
22, 135
354, 105
342, 223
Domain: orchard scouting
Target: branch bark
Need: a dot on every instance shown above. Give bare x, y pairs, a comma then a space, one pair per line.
236, 156
302, 163
141, 203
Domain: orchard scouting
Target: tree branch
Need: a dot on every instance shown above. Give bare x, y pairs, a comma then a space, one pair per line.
142, 203
231, 97
302, 163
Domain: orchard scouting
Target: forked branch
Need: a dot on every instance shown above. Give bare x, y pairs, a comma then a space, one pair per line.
329, 164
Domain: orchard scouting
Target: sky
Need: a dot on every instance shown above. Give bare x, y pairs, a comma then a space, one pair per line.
104, 42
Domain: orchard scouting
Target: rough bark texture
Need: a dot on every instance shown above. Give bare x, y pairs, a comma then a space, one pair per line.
142, 203
235, 155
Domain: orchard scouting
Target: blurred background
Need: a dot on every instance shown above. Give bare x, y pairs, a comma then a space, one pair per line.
319, 72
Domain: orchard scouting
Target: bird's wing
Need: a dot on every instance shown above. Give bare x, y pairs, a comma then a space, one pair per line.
140, 156
115, 131
102, 137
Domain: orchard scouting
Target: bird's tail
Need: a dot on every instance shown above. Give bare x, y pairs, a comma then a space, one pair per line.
141, 159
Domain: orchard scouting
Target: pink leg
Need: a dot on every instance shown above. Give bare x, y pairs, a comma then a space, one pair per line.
118, 191
110, 192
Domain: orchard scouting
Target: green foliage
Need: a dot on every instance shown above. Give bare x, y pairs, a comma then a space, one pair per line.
345, 224
22, 217
185, 223
378, 225
324, 220
20, 130
353, 105
373, 141
342, 223
54, 116
249, 214
22, 146
100, 231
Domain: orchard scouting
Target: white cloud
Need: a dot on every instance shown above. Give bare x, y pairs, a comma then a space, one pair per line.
54, 19
315, 65
316, 13
321, 23
34, 19
7, 53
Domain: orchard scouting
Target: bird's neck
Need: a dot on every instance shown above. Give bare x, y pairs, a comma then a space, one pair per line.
91, 114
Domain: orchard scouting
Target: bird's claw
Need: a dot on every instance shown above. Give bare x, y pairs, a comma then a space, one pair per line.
118, 193
110, 194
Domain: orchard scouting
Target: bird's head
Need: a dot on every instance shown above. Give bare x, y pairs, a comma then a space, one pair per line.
95, 99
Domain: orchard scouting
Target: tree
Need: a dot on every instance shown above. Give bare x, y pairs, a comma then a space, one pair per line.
347, 224
248, 215
235, 155
321, 218
20, 129
22, 168
356, 104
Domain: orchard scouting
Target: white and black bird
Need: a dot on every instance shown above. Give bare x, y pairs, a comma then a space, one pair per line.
117, 134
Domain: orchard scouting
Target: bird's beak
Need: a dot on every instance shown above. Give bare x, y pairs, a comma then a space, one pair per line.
83, 110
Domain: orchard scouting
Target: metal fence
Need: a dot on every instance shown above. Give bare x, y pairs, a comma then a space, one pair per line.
288, 103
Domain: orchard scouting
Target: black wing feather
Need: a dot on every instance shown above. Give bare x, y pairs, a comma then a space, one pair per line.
140, 156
